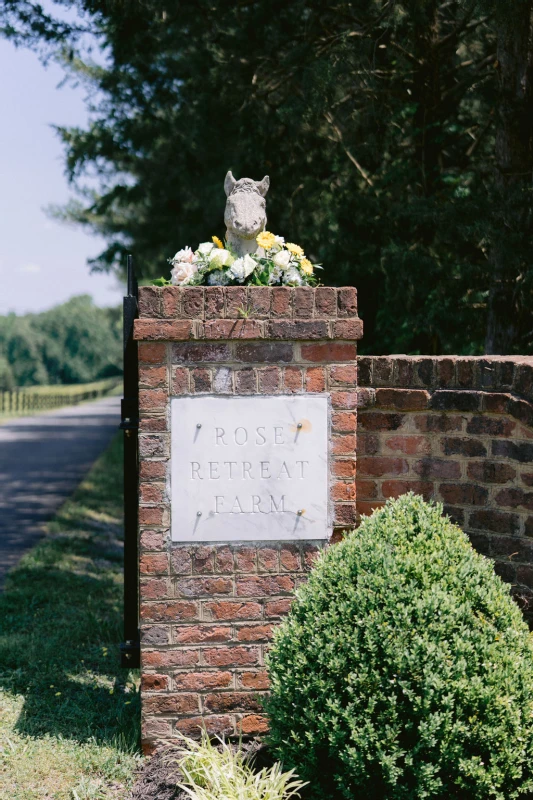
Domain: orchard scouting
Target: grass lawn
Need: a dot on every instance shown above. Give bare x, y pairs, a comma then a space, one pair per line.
69, 715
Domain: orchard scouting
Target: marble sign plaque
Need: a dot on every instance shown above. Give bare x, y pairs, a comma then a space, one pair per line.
249, 468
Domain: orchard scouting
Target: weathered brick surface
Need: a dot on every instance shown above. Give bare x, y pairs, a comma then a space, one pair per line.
208, 612
459, 430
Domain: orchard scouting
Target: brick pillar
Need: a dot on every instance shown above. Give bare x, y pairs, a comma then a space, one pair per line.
208, 610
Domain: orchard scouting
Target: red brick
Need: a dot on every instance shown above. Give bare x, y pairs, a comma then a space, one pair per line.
277, 608
383, 367
343, 445
463, 494
152, 540
154, 564
366, 490
409, 445
445, 372
343, 491
311, 553
224, 559
165, 330
153, 377
236, 301
181, 561
262, 585
347, 301
290, 558
149, 301
155, 634
462, 446
266, 352
203, 559
152, 470
200, 634
438, 423
180, 381
496, 403
348, 329
172, 301
514, 497
152, 424
346, 400
304, 300
231, 701
402, 399
228, 609
233, 329
197, 352
201, 380
155, 589
150, 353
344, 422
490, 426
366, 507
397, 488
151, 492
293, 379
465, 373
328, 352
345, 514
150, 515
343, 375
381, 465
170, 658
151, 446
281, 302
368, 444
518, 451
156, 727
514, 548
429, 468
256, 680
343, 468
259, 301
192, 302
253, 724
446, 400
245, 559
492, 520
298, 329
491, 472
380, 421
152, 399
315, 379
191, 726
171, 704
200, 681
255, 633
154, 683
245, 381
214, 302
169, 611
325, 301
231, 656
268, 559
204, 586
269, 380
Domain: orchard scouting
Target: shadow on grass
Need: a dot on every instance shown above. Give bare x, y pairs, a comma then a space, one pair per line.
61, 621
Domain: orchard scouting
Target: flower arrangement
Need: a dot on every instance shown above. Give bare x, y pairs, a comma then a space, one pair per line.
277, 263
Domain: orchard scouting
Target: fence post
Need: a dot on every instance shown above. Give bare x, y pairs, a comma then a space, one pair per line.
130, 648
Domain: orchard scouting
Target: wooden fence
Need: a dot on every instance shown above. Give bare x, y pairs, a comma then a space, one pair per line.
42, 398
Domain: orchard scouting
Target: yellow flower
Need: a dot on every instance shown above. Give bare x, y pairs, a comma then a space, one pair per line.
266, 240
295, 249
218, 243
306, 266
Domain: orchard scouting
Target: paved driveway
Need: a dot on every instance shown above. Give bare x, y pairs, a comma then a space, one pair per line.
42, 460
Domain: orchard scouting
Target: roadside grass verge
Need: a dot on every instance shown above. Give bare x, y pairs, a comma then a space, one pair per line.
69, 714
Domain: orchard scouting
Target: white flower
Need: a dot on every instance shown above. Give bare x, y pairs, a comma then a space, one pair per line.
185, 255
292, 277
275, 275
218, 278
220, 258
205, 248
282, 259
242, 267
183, 273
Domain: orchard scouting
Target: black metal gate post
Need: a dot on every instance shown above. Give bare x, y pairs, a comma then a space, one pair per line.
130, 648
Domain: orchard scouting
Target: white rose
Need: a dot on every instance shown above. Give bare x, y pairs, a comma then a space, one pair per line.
205, 248
184, 255
217, 278
282, 259
220, 258
242, 267
292, 277
183, 273
275, 275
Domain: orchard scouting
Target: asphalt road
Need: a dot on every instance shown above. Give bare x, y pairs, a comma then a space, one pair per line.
42, 460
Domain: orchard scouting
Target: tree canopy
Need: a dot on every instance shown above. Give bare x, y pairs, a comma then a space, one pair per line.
397, 136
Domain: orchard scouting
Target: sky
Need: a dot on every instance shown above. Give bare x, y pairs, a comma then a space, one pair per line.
42, 261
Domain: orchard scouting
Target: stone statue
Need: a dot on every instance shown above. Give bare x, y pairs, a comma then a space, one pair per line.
245, 214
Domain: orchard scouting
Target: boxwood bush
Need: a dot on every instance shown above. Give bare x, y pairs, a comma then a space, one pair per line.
404, 669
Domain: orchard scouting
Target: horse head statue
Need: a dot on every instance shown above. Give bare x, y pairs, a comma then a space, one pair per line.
245, 214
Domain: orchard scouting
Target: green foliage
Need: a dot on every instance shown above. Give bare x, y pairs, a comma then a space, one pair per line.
404, 669
75, 342
223, 772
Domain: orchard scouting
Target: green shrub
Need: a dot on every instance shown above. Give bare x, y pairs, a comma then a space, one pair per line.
404, 669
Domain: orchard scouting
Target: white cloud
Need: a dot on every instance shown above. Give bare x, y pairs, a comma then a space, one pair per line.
32, 268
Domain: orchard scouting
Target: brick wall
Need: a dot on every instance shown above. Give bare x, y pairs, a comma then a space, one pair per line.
207, 611
459, 430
